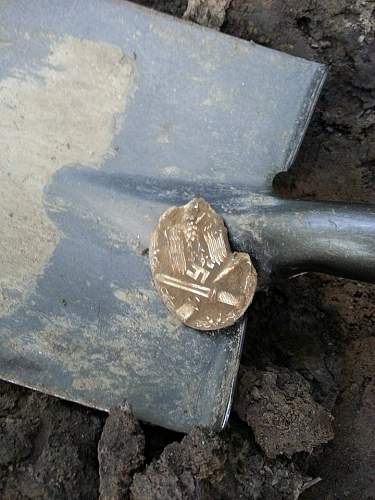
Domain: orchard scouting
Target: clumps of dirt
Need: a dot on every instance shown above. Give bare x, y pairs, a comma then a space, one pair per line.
249, 474
210, 13
47, 447
48, 450
322, 328
206, 466
120, 453
184, 470
278, 405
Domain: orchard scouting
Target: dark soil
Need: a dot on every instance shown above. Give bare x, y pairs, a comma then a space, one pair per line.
310, 348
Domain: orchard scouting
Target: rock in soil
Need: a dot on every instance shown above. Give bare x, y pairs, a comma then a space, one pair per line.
278, 406
210, 13
120, 453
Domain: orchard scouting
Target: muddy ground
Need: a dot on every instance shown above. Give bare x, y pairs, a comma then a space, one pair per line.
305, 407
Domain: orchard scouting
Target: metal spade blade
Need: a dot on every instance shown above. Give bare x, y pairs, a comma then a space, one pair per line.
109, 114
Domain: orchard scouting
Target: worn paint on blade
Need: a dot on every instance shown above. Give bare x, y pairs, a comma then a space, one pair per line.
64, 112
116, 353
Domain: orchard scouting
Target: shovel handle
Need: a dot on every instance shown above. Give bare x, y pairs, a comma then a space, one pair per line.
288, 237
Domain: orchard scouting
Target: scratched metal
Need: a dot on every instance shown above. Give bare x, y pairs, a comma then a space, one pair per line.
110, 114
198, 277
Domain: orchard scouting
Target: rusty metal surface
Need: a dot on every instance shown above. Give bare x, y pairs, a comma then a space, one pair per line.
109, 114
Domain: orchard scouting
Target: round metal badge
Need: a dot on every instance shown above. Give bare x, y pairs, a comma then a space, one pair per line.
194, 270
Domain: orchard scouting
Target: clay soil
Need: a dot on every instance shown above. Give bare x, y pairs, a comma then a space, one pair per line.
303, 423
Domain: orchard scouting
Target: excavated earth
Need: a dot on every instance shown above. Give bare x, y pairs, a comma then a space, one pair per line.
303, 424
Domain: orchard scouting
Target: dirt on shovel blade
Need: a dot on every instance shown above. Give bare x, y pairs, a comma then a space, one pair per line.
303, 424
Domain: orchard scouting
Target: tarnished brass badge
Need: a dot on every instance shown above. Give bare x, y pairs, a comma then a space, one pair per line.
198, 277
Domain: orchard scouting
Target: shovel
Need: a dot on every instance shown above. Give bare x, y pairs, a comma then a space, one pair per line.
109, 114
